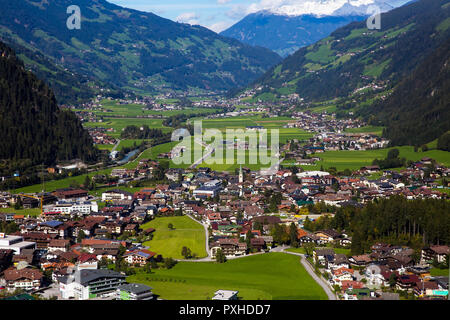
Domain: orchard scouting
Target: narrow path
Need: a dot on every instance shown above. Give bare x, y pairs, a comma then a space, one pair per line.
319, 280
116, 145
206, 239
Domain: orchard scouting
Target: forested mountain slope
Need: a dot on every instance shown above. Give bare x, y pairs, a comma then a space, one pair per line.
130, 49
33, 129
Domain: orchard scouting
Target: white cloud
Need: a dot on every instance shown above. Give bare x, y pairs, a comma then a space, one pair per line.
220, 26
223, 1
188, 17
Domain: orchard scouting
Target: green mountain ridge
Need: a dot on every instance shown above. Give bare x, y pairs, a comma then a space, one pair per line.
354, 57
129, 49
419, 107
34, 130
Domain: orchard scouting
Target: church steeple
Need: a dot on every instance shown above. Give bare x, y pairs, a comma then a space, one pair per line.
241, 175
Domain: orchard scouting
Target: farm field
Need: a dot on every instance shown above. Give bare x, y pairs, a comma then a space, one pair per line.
270, 276
59, 184
113, 108
354, 160
367, 129
244, 121
436, 272
169, 243
32, 212
118, 124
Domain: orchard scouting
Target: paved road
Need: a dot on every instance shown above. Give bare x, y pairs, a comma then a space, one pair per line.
206, 239
115, 146
208, 148
319, 280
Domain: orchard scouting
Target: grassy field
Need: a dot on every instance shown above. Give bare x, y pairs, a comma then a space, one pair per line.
32, 212
356, 159
367, 129
112, 108
169, 243
271, 276
59, 184
436, 272
336, 250
118, 124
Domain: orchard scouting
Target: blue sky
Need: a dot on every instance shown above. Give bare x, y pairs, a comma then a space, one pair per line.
218, 15
214, 14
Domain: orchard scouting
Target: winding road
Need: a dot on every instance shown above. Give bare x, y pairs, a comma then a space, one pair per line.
310, 270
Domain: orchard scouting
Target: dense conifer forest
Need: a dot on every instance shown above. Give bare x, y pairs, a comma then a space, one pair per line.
33, 129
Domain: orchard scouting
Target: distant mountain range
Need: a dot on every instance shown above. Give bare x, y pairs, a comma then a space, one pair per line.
357, 66
287, 28
124, 48
285, 34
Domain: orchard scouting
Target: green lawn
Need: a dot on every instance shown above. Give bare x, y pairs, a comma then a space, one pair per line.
435, 272
270, 276
336, 250
354, 160
168, 243
367, 129
118, 124
59, 184
32, 212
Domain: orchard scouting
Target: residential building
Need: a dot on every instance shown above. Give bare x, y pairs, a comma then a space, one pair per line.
134, 291
87, 284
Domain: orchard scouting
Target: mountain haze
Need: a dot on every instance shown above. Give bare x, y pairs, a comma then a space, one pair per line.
285, 34
130, 49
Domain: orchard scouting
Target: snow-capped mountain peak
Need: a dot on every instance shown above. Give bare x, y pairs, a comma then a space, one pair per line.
325, 7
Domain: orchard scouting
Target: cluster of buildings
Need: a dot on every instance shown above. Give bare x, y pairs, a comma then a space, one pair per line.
322, 122
364, 277
346, 141
75, 237
102, 135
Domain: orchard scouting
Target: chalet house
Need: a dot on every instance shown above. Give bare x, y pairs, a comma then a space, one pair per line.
361, 260
435, 252
230, 247
320, 255
258, 243
376, 275
407, 282
140, 256
25, 279
253, 211
369, 169
87, 261
341, 274
336, 261
70, 193
327, 236
41, 239
50, 227
59, 244
115, 195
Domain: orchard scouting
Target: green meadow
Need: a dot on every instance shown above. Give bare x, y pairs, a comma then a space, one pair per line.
59, 184
169, 242
113, 108
118, 124
354, 160
31, 212
270, 276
